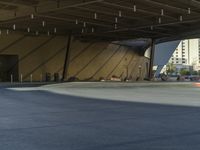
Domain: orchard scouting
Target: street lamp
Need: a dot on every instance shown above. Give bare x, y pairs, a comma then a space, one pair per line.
140, 71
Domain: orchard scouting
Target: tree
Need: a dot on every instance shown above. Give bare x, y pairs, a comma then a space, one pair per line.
194, 72
171, 68
184, 72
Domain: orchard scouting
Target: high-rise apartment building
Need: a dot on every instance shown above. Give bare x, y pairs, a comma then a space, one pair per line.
187, 54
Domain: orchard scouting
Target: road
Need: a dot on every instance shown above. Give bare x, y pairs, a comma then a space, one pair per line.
39, 120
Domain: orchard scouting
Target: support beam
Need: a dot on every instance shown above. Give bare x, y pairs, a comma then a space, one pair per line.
193, 20
15, 4
151, 59
84, 3
73, 21
67, 58
111, 14
193, 3
167, 6
140, 10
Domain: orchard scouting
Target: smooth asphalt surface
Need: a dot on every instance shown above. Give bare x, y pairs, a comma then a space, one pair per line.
38, 120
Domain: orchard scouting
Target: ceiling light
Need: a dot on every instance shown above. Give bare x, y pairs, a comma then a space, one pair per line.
28, 29
189, 11
181, 18
43, 23
95, 15
162, 12
76, 21
55, 30
7, 31
92, 30
32, 16
84, 24
134, 8
159, 20
116, 20
120, 13
14, 27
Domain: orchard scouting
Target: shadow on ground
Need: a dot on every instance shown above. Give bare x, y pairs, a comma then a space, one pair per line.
38, 120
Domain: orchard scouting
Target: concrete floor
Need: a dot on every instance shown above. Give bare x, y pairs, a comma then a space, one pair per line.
41, 120
170, 93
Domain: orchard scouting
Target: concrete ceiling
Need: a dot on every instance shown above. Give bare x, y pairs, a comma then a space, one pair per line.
104, 19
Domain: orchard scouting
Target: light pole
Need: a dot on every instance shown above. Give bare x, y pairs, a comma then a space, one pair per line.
126, 68
140, 71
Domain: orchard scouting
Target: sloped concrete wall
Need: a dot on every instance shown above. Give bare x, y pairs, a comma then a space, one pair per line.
42, 54
104, 60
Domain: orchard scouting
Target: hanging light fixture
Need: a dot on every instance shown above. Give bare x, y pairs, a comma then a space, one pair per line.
159, 20
36, 33
28, 29
84, 24
162, 12
43, 23
32, 16
151, 27
116, 20
120, 13
92, 30
76, 21
189, 11
134, 8
7, 31
115, 26
14, 27
181, 18
55, 30
95, 16
0, 32
82, 31
48, 33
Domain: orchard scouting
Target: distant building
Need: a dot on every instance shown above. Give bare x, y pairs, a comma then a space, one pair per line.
187, 55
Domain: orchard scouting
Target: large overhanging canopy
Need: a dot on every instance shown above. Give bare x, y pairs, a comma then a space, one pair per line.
103, 19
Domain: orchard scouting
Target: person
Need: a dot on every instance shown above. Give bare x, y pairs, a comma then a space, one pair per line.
178, 78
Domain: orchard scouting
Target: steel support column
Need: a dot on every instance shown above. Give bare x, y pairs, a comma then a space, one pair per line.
67, 58
151, 59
